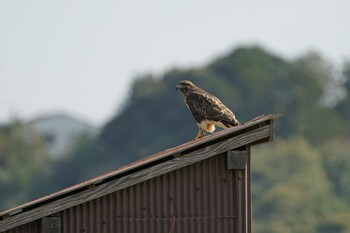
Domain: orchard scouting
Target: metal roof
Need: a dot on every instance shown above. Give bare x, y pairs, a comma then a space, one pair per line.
146, 162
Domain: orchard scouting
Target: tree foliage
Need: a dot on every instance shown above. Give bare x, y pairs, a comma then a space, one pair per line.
22, 166
343, 107
250, 81
292, 191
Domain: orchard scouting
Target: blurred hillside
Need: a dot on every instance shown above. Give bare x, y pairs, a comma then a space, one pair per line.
300, 182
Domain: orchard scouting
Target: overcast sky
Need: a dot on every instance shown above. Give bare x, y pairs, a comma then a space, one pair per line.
81, 56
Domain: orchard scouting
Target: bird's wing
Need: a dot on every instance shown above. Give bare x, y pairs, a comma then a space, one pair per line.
205, 106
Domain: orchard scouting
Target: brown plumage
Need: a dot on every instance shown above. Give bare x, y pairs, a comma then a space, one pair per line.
207, 110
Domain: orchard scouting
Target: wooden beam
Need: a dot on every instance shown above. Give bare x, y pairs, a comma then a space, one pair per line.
136, 177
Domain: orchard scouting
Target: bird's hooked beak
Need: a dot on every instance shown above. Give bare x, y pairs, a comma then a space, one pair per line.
177, 86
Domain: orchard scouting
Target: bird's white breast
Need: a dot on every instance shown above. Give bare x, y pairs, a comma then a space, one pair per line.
208, 126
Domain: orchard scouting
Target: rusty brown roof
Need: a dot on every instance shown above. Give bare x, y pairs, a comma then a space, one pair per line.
140, 164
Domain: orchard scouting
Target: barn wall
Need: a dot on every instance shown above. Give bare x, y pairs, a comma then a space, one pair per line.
204, 197
198, 198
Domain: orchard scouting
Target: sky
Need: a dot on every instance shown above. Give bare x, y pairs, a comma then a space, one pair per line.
81, 56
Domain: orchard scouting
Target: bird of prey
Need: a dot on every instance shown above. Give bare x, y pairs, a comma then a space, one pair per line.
207, 110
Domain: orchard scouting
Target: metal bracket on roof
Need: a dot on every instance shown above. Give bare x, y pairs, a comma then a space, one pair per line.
236, 159
15, 211
51, 224
262, 124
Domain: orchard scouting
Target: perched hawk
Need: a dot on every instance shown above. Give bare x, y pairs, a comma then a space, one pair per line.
207, 110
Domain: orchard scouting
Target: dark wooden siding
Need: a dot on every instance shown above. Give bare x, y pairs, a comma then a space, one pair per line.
32, 227
203, 197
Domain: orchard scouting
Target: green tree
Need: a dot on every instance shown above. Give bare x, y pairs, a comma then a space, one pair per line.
22, 166
250, 81
292, 192
343, 107
88, 159
336, 161
262, 82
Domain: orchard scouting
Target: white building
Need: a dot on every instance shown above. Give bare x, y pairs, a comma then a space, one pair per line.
60, 132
